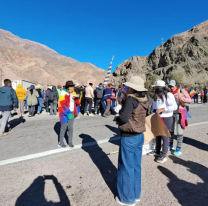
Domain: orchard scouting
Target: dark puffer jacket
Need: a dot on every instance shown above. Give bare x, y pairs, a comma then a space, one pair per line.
132, 116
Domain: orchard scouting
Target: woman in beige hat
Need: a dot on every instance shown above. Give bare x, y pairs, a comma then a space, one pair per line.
132, 126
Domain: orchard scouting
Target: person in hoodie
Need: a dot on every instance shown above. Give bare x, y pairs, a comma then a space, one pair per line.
98, 97
180, 118
32, 100
131, 123
40, 98
8, 102
21, 93
53, 100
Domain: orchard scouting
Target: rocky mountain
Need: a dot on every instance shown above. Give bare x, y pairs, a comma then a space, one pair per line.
183, 57
31, 61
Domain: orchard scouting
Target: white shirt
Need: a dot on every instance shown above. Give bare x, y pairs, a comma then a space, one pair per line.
169, 104
71, 106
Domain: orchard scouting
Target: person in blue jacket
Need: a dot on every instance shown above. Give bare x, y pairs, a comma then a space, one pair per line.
8, 101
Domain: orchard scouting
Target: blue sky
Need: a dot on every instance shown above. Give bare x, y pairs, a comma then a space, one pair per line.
94, 30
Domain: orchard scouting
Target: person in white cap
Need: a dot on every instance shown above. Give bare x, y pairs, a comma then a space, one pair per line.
164, 104
180, 117
132, 126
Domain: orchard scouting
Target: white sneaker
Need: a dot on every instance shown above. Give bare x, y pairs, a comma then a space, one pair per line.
85, 114
138, 200
119, 202
91, 115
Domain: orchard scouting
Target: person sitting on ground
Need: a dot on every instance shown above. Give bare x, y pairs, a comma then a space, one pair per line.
164, 104
180, 119
21, 93
40, 98
8, 102
132, 126
32, 100
89, 96
67, 106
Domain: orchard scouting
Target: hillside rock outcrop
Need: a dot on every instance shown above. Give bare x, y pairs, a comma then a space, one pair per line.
185, 53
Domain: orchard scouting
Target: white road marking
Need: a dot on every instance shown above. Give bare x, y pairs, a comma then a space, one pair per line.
55, 151
60, 150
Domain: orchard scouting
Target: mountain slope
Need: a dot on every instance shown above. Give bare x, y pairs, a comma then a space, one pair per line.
184, 55
24, 59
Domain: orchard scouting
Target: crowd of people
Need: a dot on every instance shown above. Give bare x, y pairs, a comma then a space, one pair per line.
130, 104
202, 95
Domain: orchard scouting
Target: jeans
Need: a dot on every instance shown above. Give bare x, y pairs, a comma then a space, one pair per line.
168, 121
88, 101
26, 104
113, 105
69, 125
53, 108
177, 131
39, 104
21, 104
31, 110
129, 169
107, 109
97, 106
4, 121
47, 105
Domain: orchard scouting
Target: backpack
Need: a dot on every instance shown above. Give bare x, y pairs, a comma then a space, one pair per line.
51, 96
99, 93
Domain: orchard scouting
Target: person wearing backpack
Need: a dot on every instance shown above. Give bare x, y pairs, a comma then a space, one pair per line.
53, 100
180, 117
98, 98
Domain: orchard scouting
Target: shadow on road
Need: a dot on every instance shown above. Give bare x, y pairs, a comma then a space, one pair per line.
195, 143
57, 129
113, 129
103, 163
34, 195
188, 194
15, 122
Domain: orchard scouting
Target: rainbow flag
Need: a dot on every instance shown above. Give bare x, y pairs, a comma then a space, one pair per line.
192, 92
107, 77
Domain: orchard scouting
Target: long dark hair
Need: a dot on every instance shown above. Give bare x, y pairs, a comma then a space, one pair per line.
160, 92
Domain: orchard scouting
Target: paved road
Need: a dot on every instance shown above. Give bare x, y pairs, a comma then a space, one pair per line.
40, 133
87, 176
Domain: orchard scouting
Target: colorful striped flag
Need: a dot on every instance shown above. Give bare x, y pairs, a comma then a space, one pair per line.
192, 92
107, 77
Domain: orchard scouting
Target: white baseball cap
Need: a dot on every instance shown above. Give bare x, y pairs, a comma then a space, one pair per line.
172, 83
159, 83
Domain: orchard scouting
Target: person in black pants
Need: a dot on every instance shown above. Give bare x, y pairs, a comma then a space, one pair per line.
89, 96
205, 94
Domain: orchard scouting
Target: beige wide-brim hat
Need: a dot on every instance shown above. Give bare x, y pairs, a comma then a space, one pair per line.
136, 83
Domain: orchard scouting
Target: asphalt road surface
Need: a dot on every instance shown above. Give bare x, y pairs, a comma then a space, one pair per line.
35, 172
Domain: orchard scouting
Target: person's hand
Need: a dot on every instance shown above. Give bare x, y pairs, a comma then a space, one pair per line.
160, 110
